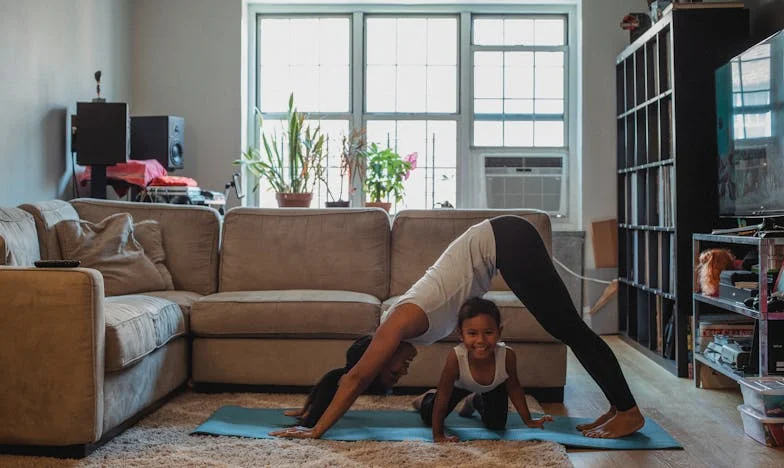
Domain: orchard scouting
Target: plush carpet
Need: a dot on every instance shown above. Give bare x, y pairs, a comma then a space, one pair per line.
162, 439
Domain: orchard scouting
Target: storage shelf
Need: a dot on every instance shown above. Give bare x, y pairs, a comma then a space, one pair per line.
666, 168
663, 162
668, 364
650, 101
643, 227
647, 288
721, 368
736, 307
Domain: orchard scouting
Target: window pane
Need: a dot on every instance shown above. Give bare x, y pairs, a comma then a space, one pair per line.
519, 31
441, 89
549, 75
488, 81
411, 88
488, 31
550, 32
488, 133
442, 41
519, 106
488, 106
519, 133
381, 41
549, 133
435, 142
549, 106
519, 79
380, 92
308, 56
411, 36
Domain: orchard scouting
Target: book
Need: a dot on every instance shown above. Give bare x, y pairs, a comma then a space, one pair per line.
700, 6
747, 284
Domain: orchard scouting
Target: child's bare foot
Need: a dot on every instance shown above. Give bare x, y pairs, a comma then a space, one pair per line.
467, 408
599, 421
622, 424
417, 402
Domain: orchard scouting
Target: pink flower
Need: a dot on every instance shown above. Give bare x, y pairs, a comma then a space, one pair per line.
411, 159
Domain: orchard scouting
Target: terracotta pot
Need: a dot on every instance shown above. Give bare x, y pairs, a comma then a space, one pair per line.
386, 206
293, 200
337, 204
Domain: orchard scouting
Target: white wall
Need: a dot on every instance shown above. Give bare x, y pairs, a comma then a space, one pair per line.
49, 51
602, 39
186, 62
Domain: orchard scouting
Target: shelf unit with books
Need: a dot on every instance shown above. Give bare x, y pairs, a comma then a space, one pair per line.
666, 170
767, 353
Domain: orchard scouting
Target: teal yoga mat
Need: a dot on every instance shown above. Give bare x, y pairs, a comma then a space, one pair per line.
406, 425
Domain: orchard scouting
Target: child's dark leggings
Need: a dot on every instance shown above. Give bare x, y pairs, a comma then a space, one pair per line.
493, 406
526, 267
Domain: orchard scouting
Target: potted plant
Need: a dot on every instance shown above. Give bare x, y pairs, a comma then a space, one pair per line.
386, 171
293, 172
353, 157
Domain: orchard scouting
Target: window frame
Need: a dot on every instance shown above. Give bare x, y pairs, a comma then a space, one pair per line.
469, 160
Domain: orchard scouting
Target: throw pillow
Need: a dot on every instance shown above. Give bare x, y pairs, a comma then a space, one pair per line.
148, 234
110, 247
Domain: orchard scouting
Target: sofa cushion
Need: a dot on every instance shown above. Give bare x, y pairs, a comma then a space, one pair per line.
184, 299
419, 237
191, 235
47, 214
330, 249
138, 324
148, 234
291, 314
18, 238
110, 247
519, 325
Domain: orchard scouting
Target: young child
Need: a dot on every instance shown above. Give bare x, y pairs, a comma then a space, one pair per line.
480, 365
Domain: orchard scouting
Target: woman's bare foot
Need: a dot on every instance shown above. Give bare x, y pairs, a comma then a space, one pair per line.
294, 412
622, 424
599, 421
467, 407
417, 402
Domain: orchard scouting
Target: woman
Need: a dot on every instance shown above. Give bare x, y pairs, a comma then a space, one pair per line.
428, 312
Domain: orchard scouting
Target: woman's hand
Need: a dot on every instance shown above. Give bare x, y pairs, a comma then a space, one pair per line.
446, 438
297, 432
539, 422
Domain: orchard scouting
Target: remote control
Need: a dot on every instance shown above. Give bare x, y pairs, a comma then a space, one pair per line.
57, 263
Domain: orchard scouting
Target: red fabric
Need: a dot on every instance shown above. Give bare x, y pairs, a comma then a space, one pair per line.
134, 172
173, 181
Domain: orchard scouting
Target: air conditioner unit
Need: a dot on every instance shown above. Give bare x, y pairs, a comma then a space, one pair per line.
526, 182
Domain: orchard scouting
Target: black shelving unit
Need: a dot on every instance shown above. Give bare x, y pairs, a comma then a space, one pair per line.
666, 171
768, 323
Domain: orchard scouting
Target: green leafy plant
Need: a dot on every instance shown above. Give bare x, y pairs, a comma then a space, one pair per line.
298, 168
386, 171
353, 157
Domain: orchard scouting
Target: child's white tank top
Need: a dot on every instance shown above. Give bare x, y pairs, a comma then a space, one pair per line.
463, 271
466, 380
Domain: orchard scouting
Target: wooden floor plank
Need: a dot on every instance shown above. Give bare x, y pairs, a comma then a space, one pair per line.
706, 422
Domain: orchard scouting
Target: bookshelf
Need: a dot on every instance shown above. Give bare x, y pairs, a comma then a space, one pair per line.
666, 171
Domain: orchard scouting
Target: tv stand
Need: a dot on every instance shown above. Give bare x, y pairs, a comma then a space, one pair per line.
767, 228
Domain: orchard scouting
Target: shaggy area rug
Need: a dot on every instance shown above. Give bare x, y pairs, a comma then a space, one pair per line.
162, 440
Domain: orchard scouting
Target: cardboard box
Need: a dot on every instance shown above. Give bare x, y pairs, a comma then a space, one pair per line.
605, 243
710, 378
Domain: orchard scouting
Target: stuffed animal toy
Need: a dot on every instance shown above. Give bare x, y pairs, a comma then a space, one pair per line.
709, 267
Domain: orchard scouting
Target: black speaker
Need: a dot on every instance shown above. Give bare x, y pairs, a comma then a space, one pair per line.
160, 137
101, 134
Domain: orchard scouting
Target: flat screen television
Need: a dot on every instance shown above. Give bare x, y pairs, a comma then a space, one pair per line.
750, 131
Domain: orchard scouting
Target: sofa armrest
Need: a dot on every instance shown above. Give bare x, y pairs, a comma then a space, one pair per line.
52, 330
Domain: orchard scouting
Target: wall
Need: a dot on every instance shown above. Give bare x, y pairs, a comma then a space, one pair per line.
186, 62
50, 50
767, 17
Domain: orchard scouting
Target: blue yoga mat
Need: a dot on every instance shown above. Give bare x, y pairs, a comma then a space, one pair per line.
406, 425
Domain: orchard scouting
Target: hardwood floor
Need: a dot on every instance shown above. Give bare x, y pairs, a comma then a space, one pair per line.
706, 422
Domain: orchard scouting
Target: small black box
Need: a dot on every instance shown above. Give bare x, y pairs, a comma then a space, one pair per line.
733, 276
731, 293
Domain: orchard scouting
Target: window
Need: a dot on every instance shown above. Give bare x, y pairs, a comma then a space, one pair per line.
455, 85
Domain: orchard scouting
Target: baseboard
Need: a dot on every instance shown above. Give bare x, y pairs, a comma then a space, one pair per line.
542, 394
83, 450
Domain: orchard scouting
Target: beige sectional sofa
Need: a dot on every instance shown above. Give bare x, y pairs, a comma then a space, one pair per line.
268, 298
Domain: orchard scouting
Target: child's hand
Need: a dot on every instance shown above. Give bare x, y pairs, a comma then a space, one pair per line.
296, 432
446, 438
539, 422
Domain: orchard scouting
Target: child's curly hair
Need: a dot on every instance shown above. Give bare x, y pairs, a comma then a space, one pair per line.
478, 306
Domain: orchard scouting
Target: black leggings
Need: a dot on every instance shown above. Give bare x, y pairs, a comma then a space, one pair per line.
492, 406
522, 259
